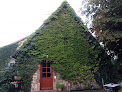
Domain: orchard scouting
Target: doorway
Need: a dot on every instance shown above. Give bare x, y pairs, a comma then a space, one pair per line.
46, 77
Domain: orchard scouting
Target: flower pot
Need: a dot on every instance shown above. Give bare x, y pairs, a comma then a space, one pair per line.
59, 86
59, 89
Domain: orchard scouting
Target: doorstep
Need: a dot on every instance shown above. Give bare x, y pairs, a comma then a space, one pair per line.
46, 91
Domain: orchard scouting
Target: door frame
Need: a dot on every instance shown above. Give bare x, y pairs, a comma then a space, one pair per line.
41, 67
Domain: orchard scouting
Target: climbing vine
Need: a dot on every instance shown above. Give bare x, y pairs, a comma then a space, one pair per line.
6, 73
71, 49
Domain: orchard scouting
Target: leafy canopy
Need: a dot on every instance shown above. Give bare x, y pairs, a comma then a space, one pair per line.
107, 25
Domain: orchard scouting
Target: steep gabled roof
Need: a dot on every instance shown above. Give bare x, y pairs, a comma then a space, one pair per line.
64, 38
54, 16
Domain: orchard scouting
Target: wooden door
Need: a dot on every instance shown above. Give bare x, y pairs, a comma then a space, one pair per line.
46, 82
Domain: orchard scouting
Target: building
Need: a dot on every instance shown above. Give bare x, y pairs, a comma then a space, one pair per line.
61, 38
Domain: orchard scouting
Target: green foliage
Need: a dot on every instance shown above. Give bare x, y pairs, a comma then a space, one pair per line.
71, 49
5, 53
5, 72
106, 24
18, 78
5, 78
59, 85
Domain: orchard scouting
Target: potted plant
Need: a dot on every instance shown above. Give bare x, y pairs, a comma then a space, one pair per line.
59, 86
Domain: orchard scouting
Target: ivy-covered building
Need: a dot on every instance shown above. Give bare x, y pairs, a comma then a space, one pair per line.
61, 51
6, 62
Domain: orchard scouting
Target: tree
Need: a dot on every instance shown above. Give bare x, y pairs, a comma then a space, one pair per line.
106, 24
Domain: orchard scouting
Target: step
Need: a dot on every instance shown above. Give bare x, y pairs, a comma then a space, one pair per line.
46, 91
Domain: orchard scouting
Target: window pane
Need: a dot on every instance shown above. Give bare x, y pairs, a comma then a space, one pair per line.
48, 64
48, 74
48, 69
44, 64
43, 69
43, 75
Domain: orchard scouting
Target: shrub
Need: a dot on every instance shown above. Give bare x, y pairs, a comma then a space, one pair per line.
58, 85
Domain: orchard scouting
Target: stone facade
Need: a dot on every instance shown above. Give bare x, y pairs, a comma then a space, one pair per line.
57, 79
35, 84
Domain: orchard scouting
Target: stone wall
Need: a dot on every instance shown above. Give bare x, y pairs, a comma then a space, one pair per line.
69, 85
35, 84
57, 79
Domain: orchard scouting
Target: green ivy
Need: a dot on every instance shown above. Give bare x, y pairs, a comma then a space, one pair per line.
5, 53
5, 72
71, 49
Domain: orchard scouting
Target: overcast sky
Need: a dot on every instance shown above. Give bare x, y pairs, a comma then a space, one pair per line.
20, 18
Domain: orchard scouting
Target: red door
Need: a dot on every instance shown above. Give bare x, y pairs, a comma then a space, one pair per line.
46, 76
